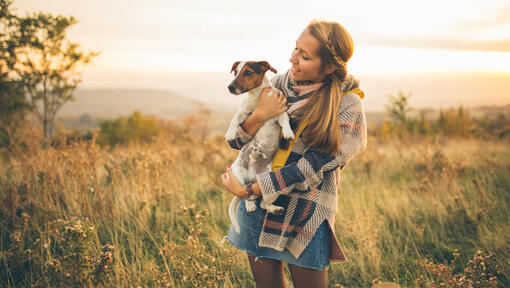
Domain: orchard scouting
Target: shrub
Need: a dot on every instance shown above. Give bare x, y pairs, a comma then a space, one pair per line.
135, 128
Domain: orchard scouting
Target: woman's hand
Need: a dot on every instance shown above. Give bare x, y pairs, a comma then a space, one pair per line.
271, 105
232, 184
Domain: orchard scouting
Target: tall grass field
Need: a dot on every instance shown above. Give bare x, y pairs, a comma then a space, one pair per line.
419, 212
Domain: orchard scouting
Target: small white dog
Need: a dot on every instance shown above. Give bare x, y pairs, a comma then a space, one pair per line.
255, 156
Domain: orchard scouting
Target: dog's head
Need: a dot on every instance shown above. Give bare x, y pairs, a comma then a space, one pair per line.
248, 75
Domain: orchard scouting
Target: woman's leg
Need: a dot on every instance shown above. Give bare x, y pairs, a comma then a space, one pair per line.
267, 272
305, 277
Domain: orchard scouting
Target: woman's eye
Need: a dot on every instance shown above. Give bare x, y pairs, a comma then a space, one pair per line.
304, 58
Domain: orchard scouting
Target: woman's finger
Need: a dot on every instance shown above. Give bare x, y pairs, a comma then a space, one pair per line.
266, 91
230, 175
224, 178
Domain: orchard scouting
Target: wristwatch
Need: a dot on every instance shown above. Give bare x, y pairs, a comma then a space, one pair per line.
249, 190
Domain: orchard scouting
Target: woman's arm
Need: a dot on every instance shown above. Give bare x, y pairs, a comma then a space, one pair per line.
268, 106
252, 124
233, 186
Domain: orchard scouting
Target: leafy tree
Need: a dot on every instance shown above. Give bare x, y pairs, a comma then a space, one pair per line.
12, 101
45, 63
399, 109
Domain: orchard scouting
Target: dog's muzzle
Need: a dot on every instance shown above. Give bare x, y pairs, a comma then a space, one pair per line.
231, 88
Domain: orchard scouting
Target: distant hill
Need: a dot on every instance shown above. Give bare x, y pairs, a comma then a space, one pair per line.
92, 105
112, 103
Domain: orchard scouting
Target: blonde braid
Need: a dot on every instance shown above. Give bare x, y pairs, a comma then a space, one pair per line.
340, 73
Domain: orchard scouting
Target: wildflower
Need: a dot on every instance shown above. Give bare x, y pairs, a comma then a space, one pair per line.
87, 219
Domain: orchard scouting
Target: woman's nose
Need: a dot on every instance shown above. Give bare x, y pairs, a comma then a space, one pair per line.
293, 59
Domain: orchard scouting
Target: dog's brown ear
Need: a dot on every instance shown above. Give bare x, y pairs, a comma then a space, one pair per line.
234, 67
266, 66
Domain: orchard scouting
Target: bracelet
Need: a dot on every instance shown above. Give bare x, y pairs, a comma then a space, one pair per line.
249, 190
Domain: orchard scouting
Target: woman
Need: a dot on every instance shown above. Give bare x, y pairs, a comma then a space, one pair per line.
325, 101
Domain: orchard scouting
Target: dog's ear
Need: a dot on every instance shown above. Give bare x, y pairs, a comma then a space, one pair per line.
265, 65
234, 67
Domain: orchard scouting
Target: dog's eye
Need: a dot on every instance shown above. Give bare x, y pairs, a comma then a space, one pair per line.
247, 73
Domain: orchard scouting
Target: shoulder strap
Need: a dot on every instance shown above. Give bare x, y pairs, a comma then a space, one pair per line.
281, 155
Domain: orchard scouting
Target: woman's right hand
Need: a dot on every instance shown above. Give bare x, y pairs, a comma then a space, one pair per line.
271, 105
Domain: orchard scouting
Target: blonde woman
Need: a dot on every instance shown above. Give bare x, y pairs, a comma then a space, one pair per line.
326, 111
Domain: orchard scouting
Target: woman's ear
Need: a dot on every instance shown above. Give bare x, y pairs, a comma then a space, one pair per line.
330, 68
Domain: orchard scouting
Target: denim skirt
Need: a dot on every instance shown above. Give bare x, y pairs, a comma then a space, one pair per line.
315, 255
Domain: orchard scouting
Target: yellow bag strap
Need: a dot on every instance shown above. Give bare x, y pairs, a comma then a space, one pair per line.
281, 155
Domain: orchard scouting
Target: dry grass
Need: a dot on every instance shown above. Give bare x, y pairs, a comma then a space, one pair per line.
162, 207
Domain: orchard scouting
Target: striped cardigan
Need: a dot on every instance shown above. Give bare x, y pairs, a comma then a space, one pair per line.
307, 185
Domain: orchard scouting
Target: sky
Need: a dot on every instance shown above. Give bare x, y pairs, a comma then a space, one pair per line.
143, 40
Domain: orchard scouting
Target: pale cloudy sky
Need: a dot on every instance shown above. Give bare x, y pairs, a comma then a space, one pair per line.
396, 36
392, 37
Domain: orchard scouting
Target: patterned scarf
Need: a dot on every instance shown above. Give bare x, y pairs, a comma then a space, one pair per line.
297, 92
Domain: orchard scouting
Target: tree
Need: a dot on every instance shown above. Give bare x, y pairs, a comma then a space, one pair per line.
47, 65
13, 105
398, 110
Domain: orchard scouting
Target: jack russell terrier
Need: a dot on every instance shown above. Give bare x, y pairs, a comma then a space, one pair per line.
255, 156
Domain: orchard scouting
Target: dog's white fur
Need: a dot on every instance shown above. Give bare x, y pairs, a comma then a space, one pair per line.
260, 150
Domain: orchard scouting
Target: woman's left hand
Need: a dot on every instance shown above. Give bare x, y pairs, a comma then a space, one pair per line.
232, 184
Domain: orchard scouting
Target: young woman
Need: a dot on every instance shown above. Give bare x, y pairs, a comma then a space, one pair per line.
326, 102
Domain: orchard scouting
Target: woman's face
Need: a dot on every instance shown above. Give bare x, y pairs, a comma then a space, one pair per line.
305, 59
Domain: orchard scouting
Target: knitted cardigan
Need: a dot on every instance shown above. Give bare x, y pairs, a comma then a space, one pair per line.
307, 185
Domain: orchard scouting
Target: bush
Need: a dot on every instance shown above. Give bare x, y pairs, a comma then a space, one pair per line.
134, 129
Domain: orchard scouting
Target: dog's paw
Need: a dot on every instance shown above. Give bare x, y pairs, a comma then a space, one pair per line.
288, 134
250, 206
275, 209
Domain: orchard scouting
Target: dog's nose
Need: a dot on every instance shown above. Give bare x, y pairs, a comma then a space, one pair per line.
231, 88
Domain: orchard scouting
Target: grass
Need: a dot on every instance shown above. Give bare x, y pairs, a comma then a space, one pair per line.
161, 208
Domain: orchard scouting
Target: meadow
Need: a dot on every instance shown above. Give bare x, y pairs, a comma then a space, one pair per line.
418, 211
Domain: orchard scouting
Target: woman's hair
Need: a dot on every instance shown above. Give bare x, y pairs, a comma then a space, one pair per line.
336, 47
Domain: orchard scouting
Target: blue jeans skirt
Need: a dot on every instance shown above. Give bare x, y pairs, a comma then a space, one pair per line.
315, 255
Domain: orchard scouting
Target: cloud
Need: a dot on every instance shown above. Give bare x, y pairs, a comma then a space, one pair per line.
500, 18
446, 43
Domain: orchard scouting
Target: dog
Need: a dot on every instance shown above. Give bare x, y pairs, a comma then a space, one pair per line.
255, 156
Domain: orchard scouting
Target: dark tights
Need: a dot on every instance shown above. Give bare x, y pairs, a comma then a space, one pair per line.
268, 273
